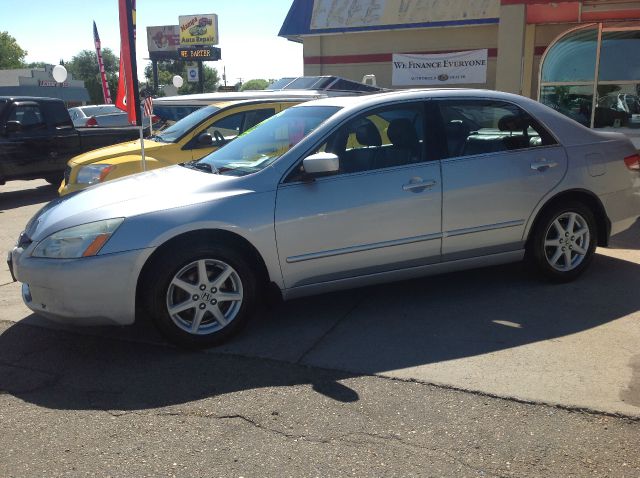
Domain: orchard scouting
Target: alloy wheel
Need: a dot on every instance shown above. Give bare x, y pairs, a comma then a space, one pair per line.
566, 242
204, 296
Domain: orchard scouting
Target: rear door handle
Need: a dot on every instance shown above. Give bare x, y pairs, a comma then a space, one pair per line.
543, 165
416, 184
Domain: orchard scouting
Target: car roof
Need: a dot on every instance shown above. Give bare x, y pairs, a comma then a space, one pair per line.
30, 98
212, 98
417, 94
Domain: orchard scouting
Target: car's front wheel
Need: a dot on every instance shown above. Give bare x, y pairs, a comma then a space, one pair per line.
200, 295
564, 241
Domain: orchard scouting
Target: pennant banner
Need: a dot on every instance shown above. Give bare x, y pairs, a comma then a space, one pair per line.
103, 75
121, 95
128, 95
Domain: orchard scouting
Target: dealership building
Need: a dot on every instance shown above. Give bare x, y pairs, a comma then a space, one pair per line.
40, 82
580, 57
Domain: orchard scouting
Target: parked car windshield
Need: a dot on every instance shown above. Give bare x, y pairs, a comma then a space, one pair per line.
260, 146
100, 110
176, 131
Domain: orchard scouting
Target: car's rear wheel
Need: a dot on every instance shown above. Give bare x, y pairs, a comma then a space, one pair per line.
564, 241
200, 295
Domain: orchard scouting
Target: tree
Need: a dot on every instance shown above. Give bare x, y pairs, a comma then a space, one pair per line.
254, 85
84, 66
37, 64
168, 69
11, 55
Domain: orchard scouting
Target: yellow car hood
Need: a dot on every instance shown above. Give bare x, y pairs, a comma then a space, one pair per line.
117, 150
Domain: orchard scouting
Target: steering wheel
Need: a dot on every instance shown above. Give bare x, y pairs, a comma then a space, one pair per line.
217, 135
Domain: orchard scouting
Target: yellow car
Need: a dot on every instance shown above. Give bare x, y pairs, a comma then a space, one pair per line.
191, 138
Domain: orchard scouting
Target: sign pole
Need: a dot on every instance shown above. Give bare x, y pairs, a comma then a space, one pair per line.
144, 162
201, 76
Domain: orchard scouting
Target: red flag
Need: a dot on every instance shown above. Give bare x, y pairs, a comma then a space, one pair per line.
128, 81
121, 95
103, 76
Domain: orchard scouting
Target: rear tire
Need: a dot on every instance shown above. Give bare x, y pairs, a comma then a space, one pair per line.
199, 295
564, 241
54, 180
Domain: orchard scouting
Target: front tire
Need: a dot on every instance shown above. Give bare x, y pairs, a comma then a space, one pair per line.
563, 242
201, 294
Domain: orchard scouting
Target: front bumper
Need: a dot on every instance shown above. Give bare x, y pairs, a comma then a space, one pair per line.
98, 290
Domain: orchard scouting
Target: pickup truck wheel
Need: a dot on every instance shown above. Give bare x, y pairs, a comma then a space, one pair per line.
54, 180
200, 295
564, 242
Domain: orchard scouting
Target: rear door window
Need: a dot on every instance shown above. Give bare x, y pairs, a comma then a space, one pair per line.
257, 116
29, 116
481, 127
229, 126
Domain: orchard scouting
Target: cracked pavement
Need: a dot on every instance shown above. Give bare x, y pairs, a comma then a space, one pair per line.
88, 405
468, 374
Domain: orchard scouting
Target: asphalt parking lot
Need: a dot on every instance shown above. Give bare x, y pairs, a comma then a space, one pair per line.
553, 353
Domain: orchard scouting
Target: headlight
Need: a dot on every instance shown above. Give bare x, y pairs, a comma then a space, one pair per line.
79, 241
94, 173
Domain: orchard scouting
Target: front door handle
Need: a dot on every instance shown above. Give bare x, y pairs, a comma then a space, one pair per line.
418, 184
543, 164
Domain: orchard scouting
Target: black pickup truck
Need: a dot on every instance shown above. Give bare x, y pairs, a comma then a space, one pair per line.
37, 138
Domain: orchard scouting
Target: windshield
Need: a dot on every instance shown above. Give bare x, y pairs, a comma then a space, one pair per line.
2, 105
177, 130
262, 145
101, 110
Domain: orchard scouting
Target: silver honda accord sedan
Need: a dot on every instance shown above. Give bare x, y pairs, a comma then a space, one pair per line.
331, 194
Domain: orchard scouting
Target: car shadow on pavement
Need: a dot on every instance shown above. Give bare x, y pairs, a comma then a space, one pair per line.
366, 331
629, 239
27, 197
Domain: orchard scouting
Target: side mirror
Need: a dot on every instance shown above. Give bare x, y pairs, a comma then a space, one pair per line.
13, 127
205, 139
321, 163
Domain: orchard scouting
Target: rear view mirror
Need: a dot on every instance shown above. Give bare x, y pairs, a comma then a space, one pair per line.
205, 139
321, 163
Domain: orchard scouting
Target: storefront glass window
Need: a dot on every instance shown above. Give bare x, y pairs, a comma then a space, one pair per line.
618, 105
568, 78
620, 56
572, 58
573, 101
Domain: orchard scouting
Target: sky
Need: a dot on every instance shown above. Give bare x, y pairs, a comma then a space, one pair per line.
248, 31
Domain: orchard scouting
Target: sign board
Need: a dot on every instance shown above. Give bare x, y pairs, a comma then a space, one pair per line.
163, 42
350, 14
52, 84
439, 69
198, 30
202, 53
192, 74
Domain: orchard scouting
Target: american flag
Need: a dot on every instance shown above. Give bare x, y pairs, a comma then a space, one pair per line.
148, 106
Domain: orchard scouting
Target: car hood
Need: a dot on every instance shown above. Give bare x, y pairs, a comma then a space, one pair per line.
114, 151
161, 189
